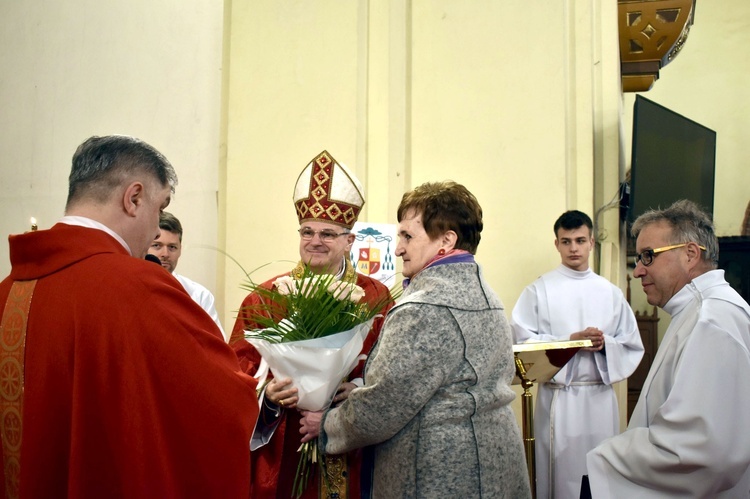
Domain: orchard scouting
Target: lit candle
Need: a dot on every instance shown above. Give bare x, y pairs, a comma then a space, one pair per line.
33, 224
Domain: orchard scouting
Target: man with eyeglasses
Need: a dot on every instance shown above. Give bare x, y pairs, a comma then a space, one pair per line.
328, 199
577, 409
685, 437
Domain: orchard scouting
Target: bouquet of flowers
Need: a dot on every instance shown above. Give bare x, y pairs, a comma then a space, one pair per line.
312, 331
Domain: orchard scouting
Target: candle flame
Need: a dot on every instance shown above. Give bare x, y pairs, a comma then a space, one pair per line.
33, 221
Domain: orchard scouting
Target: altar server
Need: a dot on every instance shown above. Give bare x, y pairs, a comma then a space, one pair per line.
578, 408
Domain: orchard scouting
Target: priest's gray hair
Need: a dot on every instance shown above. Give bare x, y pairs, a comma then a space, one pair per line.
101, 164
689, 224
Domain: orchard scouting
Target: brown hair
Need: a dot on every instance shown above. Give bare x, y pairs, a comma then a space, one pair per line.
170, 223
446, 206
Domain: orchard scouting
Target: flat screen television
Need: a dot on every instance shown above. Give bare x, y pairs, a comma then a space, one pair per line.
673, 158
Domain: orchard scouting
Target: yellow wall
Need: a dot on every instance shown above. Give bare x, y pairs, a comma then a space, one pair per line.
406, 92
78, 68
518, 101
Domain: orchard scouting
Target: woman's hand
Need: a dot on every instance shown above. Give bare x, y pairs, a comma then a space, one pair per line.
309, 425
343, 391
281, 393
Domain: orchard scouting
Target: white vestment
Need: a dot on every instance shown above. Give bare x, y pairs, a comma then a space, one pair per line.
687, 435
578, 409
202, 297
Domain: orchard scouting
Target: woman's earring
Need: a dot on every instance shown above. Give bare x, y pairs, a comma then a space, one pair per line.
441, 251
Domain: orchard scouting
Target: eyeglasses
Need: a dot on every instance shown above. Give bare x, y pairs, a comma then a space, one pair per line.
327, 236
646, 257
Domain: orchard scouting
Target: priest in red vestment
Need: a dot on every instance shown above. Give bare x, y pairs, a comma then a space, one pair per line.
328, 199
115, 383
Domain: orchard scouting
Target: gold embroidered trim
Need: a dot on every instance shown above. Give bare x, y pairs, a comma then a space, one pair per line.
13, 342
334, 485
350, 275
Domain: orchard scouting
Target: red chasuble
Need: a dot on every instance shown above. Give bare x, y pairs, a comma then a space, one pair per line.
129, 389
275, 464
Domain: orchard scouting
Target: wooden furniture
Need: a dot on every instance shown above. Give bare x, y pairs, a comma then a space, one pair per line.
648, 326
651, 33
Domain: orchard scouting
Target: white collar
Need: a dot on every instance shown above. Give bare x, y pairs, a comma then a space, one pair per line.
693, 289
93, 224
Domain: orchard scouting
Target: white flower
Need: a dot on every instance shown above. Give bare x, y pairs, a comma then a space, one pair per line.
308, 286
286, 285
346, 291
318, 304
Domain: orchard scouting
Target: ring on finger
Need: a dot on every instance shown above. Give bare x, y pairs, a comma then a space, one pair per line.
281, 402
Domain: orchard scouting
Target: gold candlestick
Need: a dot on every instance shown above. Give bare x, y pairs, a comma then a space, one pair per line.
34, 226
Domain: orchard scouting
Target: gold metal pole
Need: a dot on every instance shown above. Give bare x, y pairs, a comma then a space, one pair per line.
527, 415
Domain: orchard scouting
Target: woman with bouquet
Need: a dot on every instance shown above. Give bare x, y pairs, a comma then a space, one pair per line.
436, 397
328, 199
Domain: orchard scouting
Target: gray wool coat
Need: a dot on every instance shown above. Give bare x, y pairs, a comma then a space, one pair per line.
436, 399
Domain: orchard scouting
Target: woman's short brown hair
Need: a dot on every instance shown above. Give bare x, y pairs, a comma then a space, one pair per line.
446, 206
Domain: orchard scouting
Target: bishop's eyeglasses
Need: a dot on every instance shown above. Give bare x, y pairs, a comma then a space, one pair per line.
327, 236
646, 257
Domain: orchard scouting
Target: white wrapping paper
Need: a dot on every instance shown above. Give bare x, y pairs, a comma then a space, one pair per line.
315, 366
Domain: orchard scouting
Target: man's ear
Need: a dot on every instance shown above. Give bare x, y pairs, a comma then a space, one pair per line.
693, 253
133, 197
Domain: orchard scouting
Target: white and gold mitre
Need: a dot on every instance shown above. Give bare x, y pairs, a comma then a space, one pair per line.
326, 191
